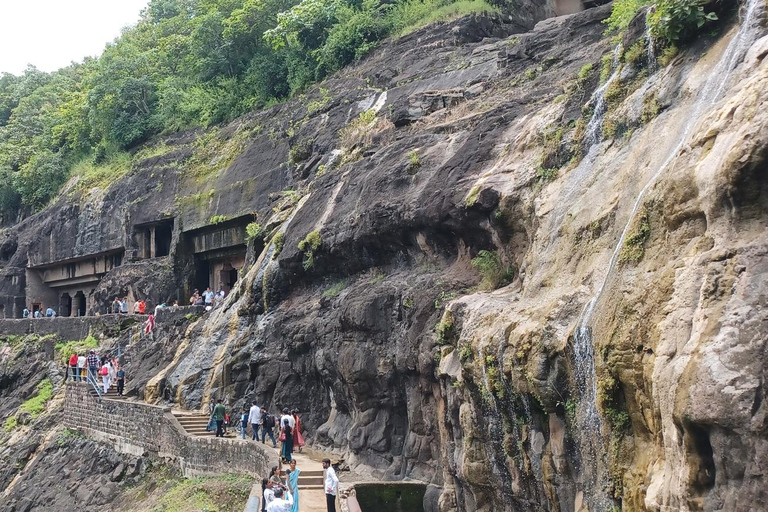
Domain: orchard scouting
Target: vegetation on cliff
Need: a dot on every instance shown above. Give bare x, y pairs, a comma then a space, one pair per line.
186, 63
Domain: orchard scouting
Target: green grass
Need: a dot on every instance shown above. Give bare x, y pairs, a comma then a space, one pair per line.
409, 16
334, 290
494, 273
66, 348
91, 175
36, 404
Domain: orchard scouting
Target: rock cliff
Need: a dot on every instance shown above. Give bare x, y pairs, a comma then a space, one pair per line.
607, 349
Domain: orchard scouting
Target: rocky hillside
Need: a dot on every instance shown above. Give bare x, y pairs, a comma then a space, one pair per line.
525, 266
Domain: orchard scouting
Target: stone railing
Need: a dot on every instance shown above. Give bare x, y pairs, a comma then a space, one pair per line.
148, 430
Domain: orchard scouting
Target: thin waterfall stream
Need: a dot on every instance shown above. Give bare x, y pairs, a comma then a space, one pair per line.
596, 481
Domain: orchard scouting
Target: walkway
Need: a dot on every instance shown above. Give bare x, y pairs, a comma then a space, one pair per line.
311, 491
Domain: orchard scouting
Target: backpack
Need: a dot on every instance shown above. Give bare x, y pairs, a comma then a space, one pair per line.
104, 370
269, 420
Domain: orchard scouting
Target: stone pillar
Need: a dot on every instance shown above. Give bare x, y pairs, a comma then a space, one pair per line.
76, 305
152, 242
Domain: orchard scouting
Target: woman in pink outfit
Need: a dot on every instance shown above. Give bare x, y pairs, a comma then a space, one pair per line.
298, 439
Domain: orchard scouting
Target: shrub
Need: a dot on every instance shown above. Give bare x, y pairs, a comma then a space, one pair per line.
414, 162
675, 20
635, 53
253, 231
35, 405
218, 219
300, 152
651, 107
444, 329
622, 13
546, 173
278, 241
606, 68
308, 246
66, 349
634, 245
494, 274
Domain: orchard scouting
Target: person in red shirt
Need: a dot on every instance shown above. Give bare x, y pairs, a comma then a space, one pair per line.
142, 307
73, 366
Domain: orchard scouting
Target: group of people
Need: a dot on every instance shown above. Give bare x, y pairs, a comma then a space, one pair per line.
105, 367
208, 298
281, 494
288, 425
38, 313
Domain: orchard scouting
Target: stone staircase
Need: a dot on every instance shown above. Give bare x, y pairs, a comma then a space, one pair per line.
112, 394
194, 424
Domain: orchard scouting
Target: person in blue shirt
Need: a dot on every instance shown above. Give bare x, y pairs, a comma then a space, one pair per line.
50, 313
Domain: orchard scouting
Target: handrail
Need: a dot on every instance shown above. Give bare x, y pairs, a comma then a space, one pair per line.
89, 378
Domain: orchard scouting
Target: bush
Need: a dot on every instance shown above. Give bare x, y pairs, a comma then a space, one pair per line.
494, 274
278, 241
634, 245
66, 349
674, 20
253, 231
308, 246
622, 13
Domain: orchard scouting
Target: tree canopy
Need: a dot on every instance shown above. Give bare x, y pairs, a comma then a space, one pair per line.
186, 63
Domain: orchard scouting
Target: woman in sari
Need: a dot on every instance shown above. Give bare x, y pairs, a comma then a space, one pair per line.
293, 485
298, 439
287, 436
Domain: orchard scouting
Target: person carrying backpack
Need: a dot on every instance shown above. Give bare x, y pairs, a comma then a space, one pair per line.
104, 372
267, 424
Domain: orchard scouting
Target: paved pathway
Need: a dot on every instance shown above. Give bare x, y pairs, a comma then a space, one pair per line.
311, 492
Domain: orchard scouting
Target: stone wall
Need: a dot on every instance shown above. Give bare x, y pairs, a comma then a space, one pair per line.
67, 328
152, 431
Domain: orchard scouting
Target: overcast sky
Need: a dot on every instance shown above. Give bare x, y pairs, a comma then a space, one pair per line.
52, 33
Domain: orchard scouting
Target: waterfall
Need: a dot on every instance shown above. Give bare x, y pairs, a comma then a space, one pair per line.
594, 132
596, 481
650, 53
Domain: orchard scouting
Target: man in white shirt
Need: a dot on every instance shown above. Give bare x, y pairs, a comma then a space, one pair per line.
287, 416
254, 418
208, 296
81, 364
331, 485
279, 504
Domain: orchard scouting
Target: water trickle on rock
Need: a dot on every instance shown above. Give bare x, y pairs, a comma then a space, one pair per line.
650, 52
595, 478
594, 132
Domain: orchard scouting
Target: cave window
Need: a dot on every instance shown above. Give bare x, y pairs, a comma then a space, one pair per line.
65, 305
163, 235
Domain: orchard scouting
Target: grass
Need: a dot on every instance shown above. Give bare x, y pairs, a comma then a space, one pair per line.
66, 349
213, 152
218, 219
414, 162
633, 249
278, 241
412, 15
34, 406
334, 290
494, 273
102, 175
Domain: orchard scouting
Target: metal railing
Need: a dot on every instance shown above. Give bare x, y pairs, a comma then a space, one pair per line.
76, 375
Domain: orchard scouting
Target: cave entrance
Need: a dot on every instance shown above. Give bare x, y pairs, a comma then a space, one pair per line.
153, 240
202, 274
65, 305
79, 303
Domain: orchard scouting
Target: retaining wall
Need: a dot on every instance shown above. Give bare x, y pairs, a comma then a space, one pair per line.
152, 431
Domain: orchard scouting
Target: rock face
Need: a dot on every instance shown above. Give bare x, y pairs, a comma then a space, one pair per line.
623, 364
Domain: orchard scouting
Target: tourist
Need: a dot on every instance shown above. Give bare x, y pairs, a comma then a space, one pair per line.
25, 313
175, 305
280, 504
38, 314
221, 293
244, 422
116, 306
50, 313
149, 325
269, 494
287, 416
194, 298
274, 477
208, 297
136, 308
82, 363
331, 485
124, 306
298, 439
120, 381
267, 424
93, 363
159, 307
142, 307
286, 436
254, 418
293, 485
73, 366
218, 417
104, 372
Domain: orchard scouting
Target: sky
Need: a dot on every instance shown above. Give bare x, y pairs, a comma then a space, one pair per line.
50, 34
